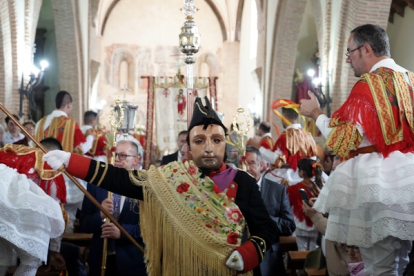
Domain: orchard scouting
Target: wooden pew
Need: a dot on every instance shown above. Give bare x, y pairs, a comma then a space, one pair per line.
314, 271
79, 239
296, 260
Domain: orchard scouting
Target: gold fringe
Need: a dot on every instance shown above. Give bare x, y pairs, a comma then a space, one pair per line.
175, 242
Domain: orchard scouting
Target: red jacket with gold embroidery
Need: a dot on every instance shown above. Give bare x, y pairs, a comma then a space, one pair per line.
65, 130
28, 160
295, 144
381, 103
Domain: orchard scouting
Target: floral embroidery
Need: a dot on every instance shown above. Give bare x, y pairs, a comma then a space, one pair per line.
205, 201
183, 187
232, 238
192, 170
233, 214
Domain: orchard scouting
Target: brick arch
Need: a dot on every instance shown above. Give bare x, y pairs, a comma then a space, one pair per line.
118, 57
287, 25
212, 61
69, 50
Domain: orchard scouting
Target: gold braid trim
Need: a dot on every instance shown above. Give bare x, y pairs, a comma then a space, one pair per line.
96, 171
103, 174
40, 134
177, 242
38, 164
343, 138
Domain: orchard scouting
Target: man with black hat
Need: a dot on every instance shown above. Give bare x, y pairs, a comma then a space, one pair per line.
202, 207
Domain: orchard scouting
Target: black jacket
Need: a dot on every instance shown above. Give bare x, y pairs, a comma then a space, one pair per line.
169, 158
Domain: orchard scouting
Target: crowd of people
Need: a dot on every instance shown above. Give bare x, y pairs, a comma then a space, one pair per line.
197, 212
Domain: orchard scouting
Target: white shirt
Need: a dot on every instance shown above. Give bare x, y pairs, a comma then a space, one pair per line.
267, 134
85, 128
9, 139
259, 182
322, 122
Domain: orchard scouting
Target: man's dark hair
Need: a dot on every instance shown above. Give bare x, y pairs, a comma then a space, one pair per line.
254, 150
290, 113
30, 122
265, 127
51, 143
89, 116
373, 35
62, 99
183, 132
7, 119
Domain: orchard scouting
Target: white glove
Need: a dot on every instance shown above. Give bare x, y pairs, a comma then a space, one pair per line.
235, 261
57, 158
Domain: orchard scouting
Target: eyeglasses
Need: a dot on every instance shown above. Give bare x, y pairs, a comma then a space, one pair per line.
122, 156
348, 53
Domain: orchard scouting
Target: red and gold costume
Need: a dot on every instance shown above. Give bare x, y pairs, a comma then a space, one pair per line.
294, 144
100, 145
376, 103
65, 130
28, 160
368, 196
266, 142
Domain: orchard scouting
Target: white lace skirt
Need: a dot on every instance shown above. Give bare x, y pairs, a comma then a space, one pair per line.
369, 198
28, 216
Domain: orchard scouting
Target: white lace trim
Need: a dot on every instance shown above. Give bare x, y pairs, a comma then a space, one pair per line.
28, 217
369, 198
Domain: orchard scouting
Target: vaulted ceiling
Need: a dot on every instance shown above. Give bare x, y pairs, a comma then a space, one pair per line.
228, 13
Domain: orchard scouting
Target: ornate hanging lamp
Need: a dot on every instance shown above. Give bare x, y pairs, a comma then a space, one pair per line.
190, 40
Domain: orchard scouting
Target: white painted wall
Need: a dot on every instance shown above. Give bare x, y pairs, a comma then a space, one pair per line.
401, 39
249, 91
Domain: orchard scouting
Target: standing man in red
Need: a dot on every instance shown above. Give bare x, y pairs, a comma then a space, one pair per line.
58, 125
292, 145
100, 143
369, 196
264, 132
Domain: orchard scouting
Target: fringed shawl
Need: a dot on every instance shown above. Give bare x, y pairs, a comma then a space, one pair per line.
381, 103
188, 226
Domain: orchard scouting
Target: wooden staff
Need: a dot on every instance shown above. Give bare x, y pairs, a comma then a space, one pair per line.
71, 177
115, 125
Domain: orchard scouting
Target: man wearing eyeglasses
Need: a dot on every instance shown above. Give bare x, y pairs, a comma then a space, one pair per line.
123, 257
369, 196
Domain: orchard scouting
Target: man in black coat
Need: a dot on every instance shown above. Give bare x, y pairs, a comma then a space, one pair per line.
176, 156
277, 204
206, 142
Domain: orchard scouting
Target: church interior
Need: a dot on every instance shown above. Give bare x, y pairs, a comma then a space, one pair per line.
257, 50
248, 55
